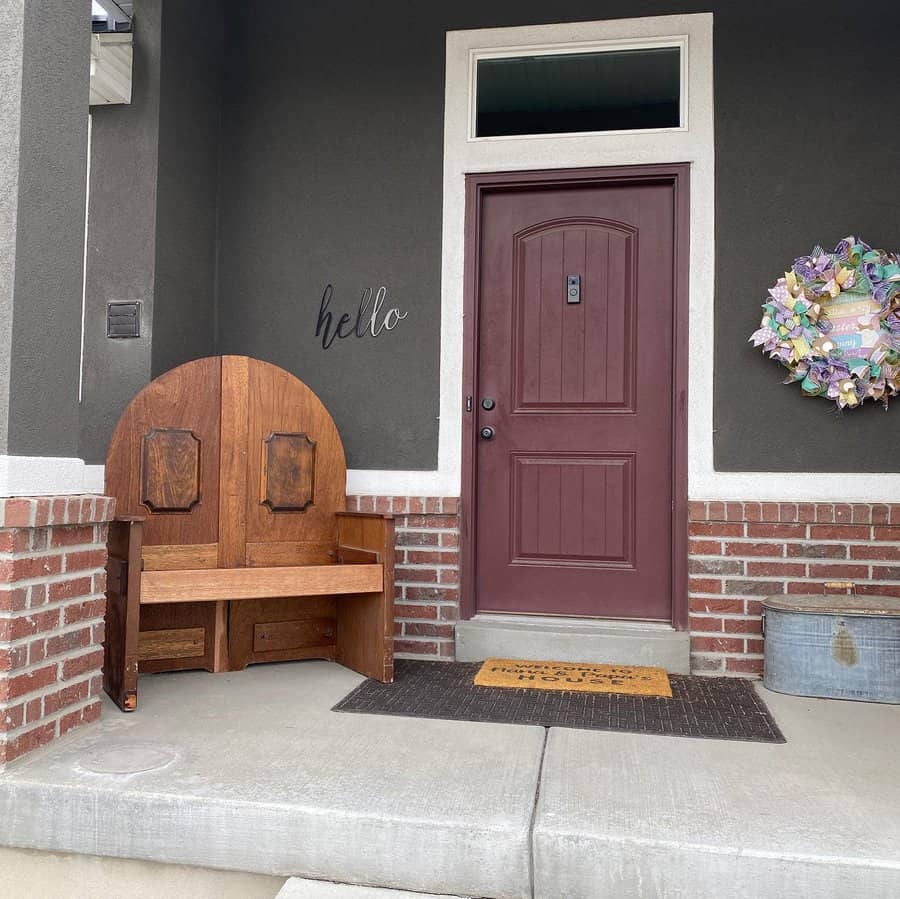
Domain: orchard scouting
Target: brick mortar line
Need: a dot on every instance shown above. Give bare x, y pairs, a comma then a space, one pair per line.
56, 604
721, 656
860, 563
805, 523
407, 620
784, 578
852, 541
404, 583
85, 677
58, 578
422, 638
716, 617
865, 509
893, 544
436, 548
59, 631
57, 660
768, 537
54, 718
51, 551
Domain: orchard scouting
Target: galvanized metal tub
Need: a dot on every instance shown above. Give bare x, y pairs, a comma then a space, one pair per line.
838, 647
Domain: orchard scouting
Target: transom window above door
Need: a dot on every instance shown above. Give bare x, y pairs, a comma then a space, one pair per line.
577, 90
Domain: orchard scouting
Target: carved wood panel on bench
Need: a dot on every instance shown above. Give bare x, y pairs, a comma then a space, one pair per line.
231, 544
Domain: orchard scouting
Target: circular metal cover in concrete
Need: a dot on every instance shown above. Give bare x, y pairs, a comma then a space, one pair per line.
133, 758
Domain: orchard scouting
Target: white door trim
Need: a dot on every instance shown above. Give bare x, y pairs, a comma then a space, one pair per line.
691, 143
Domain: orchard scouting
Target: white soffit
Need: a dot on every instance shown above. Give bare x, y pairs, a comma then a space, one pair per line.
111, 62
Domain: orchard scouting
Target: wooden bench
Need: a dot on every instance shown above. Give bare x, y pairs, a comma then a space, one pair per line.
231, 544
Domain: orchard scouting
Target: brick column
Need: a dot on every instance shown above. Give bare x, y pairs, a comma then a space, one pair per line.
427, 571
52, 603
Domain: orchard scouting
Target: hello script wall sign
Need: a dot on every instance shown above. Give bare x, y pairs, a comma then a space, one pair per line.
371, 318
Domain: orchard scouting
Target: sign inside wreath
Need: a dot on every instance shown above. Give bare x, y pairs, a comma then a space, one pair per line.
833, 321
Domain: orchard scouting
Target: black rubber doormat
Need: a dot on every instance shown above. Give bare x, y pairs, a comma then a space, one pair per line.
718, 708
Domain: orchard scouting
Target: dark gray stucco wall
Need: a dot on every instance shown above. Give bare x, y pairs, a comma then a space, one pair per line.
189, 114
49, 233
805, 154
121, 246
331, 173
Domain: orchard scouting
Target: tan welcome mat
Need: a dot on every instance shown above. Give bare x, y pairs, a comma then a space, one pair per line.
637, 680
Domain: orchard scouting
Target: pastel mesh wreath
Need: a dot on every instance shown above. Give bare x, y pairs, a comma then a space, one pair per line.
833, 321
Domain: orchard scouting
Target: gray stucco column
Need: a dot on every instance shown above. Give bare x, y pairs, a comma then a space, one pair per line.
11, 16
122, 237
44, 84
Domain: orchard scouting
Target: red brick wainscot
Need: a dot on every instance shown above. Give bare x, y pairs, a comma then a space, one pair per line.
741, 552
52, 583
426, 576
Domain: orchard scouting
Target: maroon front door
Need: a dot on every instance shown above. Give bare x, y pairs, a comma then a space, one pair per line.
573, 380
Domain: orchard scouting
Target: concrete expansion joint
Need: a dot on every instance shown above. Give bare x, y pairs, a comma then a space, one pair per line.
534, 810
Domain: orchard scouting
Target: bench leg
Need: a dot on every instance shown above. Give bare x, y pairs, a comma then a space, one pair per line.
365, 621
363, 640
220, 648
123, 599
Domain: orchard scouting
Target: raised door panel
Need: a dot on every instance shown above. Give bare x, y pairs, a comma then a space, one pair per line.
296, 469
574, 356
573, 509
163, 461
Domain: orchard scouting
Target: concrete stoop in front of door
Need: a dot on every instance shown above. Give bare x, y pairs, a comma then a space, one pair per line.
252, 772
573, 640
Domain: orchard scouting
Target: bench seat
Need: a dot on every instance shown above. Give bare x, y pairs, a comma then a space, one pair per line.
212, 584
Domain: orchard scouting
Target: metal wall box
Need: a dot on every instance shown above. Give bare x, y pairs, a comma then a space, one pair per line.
836, 647
123, 319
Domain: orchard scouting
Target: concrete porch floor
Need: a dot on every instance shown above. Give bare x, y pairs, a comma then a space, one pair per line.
252, 772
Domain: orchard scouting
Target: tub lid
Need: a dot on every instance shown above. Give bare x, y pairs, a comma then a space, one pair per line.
836, 604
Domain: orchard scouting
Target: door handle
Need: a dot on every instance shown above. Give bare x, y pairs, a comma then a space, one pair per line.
487, 433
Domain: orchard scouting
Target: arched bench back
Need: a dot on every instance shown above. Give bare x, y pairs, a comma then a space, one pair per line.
235, 462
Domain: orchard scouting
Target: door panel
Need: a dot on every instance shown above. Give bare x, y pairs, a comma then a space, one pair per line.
163, 460
568, 354
572, 508
573, 493
295, 470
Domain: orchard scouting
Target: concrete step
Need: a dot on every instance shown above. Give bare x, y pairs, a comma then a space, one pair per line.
252, 771
632, 816
300, 888
573, 640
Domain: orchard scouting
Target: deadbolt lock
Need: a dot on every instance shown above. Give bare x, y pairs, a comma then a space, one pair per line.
488, 403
